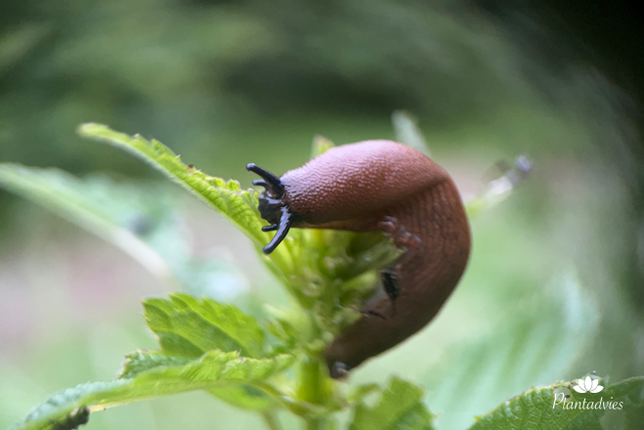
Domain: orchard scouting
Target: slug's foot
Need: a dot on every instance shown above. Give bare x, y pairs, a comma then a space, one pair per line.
401, 237
272, 206
339, 370
389, 225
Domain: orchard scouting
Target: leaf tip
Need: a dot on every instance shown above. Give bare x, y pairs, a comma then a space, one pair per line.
90, 128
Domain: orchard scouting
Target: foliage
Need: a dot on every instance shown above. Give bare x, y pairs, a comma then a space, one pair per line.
187, 69
399, 407
543, 409
266, 366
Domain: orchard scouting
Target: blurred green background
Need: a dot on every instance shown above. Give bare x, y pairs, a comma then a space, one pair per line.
555, 283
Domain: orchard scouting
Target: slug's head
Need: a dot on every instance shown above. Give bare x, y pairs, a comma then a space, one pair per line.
271, 206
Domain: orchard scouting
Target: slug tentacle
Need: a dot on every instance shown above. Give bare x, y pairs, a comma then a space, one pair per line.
271, 182
286, 220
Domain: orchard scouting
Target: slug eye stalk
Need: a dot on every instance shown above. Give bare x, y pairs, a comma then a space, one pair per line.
269, 181
271, 206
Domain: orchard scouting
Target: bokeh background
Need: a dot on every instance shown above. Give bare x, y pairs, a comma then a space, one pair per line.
555, 283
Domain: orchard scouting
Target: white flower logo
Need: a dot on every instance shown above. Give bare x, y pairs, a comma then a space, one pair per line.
588, 385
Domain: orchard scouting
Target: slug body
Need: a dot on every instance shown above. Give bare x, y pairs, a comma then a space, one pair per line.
387, 186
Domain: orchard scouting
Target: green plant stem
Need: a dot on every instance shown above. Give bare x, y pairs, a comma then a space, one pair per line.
271, 420
315, 423
311, 381
314, 385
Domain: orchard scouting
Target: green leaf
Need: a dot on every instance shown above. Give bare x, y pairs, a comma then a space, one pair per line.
320, 145
633, 391
187, 326
497, 190
239, 207
139, 218
213, 370
97, 204
634, 416
285, 333
407, 132
543, 409
361, 391
399, 407
62, 403
244, 397
140, 361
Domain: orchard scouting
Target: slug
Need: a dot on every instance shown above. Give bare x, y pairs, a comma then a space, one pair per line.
370, 186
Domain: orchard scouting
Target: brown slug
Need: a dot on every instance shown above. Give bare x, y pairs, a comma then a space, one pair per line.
369, 186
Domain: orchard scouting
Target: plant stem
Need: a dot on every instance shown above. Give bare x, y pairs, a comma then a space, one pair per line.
271, 420
314, 388
311, 381
315, 423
